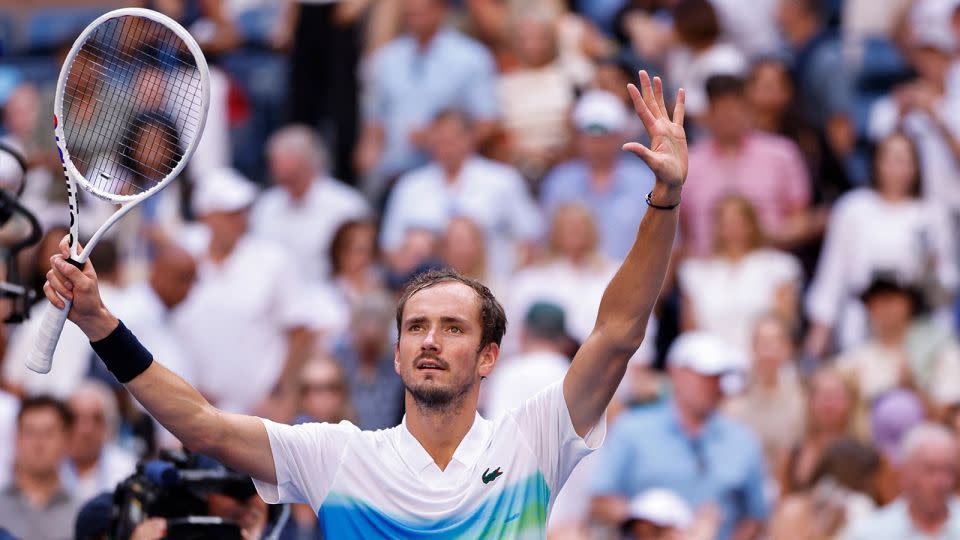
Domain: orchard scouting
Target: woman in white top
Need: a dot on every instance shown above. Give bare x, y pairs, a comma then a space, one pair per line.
729, 291
886, 227
573, 276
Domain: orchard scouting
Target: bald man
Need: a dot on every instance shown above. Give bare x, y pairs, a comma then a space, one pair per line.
927, 508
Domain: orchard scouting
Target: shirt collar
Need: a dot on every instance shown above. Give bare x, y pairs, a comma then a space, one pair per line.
467, 452
709, 428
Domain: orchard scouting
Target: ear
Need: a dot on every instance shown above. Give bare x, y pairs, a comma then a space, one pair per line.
396, 357
488, 359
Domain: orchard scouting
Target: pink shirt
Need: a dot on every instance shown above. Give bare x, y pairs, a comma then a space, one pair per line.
768, 170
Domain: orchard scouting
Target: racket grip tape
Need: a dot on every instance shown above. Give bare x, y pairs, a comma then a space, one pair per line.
41, 357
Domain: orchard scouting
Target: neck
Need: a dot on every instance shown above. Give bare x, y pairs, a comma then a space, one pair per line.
691, 423
451, 171
928, 520
298, 193
729, 145
440, 431
423, 39
892, 338
893, 197
601, 173
220, 249
84, 464
768, 380
735, 253
768, 121
39, 488
802, 32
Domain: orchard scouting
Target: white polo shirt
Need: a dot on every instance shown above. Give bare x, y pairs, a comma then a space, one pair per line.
383, 484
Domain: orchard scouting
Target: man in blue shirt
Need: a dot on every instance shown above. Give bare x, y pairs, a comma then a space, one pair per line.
611, 183
687, 447
412, 78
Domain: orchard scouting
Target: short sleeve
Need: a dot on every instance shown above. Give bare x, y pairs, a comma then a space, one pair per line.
307, 458
545, 422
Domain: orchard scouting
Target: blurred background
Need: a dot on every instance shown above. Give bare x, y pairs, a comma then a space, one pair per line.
351, 144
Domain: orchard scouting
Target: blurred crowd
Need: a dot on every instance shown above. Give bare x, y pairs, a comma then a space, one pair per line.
800, 379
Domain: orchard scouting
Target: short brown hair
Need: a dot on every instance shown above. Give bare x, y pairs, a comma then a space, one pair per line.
41, 402
492, 317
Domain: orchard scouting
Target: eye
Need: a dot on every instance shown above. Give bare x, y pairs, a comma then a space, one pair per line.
456, 330
414, 328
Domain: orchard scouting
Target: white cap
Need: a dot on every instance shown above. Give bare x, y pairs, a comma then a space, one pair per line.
600, 112
929, 24
704, 353
661, 507
223, 190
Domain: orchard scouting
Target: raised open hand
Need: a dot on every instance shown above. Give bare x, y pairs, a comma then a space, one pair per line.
667, 154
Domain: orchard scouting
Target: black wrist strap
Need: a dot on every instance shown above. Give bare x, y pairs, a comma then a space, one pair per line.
651, 204
123, 354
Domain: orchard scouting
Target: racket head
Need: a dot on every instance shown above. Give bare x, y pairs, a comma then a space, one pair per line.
131, 104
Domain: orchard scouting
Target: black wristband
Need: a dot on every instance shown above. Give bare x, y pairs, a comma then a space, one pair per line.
651, 204
123, 354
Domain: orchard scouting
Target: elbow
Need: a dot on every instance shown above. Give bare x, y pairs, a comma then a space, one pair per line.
209, 439
623, 338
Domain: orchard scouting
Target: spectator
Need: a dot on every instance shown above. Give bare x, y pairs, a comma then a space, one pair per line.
687, 447
305, 207
543, 360
841, 491
536, 97
767, 170
37, 505
460, 183
926, 110
928, 507
463, 248
71, 359
410, 80
251, 344
612, 184
325, 46
824, 83
892, 415
96, 463
886, 227
774, 403
890, 357
367, 360
573, 276
726, 293
700, 54
753, 31
830, 416
658, 514
324, 392
353, 260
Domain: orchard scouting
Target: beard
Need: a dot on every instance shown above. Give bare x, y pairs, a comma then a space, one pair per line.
432, 395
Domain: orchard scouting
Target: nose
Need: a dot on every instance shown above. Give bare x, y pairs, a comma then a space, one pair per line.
430, 342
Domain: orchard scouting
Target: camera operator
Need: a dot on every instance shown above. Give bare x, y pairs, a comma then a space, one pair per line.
182, 496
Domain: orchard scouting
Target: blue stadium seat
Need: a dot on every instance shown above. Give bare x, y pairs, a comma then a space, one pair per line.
48, 29
256, 24
39, 70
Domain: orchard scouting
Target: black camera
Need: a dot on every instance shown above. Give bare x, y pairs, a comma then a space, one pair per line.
175, 487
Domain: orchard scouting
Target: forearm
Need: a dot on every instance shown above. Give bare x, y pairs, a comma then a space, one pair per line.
178, 407
632, 293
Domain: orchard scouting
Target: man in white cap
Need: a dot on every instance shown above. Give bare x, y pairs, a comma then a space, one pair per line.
243, 324
658, 514
686, 446
611, 183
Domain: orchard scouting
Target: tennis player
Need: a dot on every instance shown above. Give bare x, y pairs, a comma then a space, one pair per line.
445, 472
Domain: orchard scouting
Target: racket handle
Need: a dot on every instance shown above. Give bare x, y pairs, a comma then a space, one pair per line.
41, 357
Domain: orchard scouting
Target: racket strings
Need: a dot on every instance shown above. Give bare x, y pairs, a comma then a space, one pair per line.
132, 105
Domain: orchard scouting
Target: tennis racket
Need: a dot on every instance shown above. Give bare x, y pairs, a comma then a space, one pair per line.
129, 110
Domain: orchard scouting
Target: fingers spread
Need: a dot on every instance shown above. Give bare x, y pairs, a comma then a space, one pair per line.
658, 97
638, 105
678, 110
647, 93
640, 150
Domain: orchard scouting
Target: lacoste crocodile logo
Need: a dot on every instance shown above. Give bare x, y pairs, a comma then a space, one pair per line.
490, 476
